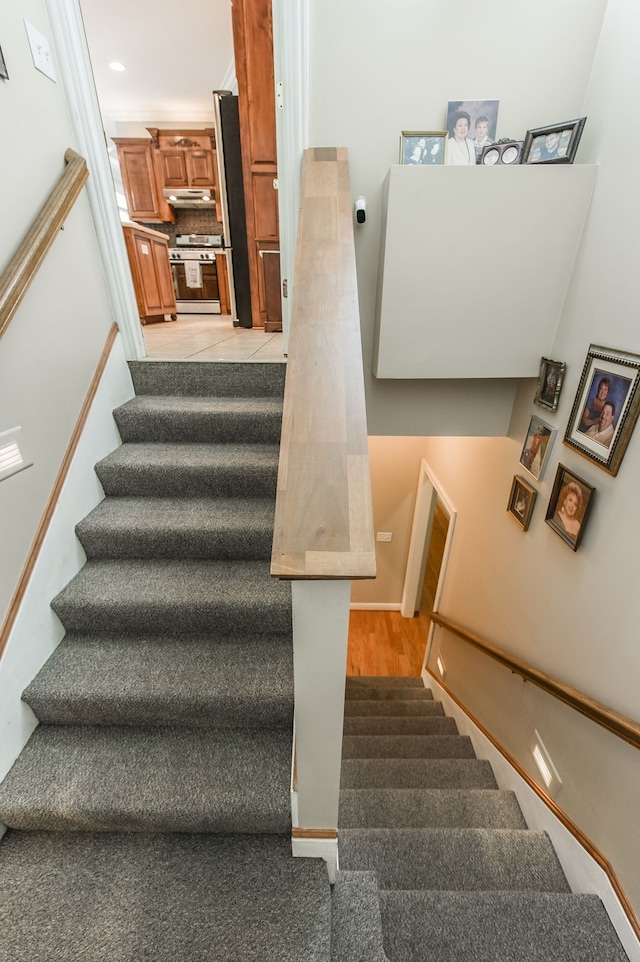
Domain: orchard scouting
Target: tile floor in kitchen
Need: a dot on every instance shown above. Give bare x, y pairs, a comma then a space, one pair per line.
209, 338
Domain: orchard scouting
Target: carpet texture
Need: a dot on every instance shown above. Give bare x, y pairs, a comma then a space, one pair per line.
460, 877
149, 814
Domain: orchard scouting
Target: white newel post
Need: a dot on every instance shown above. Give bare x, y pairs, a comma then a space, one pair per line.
320, 634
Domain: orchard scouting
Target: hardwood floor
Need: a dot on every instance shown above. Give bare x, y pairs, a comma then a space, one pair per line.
385, 643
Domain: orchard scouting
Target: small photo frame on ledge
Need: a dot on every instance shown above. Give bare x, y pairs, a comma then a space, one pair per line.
521, 501
550, 380
569, 506
537, 445
606, 407
423, 148
556, 144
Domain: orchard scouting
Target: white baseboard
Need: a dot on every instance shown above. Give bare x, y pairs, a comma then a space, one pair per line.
375, 606
326, 848
582, 871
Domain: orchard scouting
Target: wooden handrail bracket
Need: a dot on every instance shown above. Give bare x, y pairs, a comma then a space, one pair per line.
23, 266
324, 521
620, 725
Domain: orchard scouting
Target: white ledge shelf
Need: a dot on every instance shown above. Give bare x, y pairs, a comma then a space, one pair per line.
474, 267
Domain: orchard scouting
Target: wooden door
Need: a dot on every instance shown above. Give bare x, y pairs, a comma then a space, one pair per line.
253, 47
160, 251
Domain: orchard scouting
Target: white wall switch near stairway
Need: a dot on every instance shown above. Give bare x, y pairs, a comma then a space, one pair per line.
384, 536
41, 51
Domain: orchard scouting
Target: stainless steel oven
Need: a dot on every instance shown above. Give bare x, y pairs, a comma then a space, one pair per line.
195, 275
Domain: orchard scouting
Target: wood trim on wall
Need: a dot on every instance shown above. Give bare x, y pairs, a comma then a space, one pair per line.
33, 248
562, 817
50, 507
614, 722
314, 833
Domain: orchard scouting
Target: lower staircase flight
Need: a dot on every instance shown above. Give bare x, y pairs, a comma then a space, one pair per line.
456, 872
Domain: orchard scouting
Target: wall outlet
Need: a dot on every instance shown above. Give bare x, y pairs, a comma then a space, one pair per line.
40, 51
384, 536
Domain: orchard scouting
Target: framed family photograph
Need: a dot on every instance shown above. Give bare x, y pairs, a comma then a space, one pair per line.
423, 147
521, 501
569, 506
537, 446
472, 126
556, 144
550, 380
606, 406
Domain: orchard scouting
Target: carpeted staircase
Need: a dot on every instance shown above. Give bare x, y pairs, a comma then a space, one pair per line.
457, 874
149, 814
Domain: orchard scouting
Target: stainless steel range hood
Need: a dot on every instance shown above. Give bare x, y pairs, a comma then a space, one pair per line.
194, 198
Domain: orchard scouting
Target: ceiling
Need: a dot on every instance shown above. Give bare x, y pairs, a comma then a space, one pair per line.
175, 55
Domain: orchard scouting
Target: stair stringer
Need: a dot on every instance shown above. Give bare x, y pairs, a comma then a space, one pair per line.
583, 873
37, 632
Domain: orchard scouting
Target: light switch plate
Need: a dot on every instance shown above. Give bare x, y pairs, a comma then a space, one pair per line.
40, 51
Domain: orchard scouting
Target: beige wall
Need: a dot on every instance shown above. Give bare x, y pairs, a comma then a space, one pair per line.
387, 69
49, 353
573, 615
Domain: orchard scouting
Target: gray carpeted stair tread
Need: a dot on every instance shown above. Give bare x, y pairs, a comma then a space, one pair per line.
400, 725
209, 378
417, 773
454, 858
429, 808
113, 779
407, 746
497, 927
385, 681
382, 709
186, 597
160, 418
221, 528
241, 682
168, 898
190, 470
387, 693
356, 926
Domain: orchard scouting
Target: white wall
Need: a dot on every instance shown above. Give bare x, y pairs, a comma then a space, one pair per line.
50, 351
376, 70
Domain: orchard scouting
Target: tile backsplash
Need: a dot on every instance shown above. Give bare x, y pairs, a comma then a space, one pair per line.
189, 222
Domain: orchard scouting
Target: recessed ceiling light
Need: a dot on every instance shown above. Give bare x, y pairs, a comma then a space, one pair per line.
115, 65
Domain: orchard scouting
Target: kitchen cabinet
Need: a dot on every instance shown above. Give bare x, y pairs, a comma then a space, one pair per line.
187, 158
140, 180
171, 159
148, 252
253, 48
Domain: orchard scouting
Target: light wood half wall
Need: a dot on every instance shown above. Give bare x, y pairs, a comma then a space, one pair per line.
323, 522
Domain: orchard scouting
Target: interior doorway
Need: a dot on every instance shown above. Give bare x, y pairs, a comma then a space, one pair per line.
431, 537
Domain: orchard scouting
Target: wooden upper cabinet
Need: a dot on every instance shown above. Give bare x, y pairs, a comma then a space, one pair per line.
253, 48
173, 168
200, 168
140, 180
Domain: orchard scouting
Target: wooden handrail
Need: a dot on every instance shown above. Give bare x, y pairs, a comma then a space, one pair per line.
324, 521
613, 721
23, 266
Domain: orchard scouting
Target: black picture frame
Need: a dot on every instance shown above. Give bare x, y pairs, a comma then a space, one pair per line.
4, 73
569, 506
555, 144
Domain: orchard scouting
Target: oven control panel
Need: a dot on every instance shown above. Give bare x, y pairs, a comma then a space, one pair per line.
178, 254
